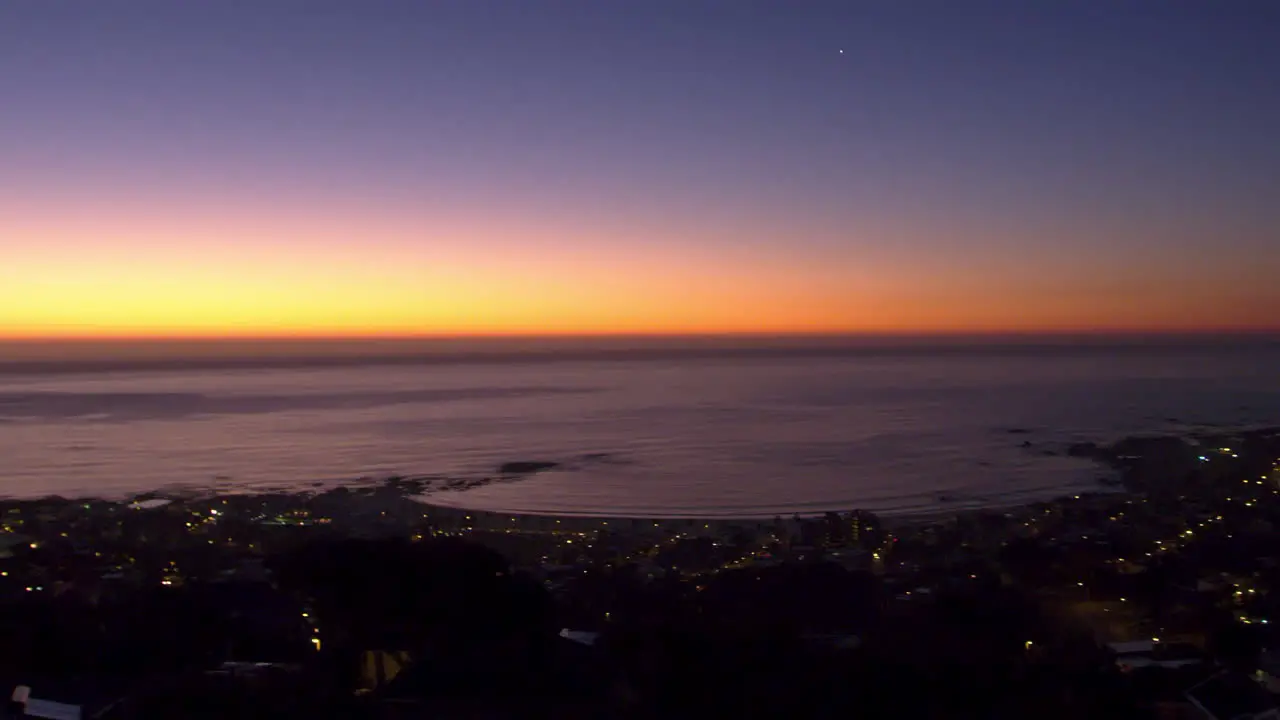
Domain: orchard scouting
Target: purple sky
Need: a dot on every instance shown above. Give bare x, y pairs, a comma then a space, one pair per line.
657, 165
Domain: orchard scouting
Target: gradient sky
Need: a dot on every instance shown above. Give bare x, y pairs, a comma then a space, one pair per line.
274, 167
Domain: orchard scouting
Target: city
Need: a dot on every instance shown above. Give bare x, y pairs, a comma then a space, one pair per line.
1138, 598
639, 360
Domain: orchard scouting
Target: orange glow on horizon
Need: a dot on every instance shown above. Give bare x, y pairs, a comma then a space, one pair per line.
99, 270
466, 172
396, 334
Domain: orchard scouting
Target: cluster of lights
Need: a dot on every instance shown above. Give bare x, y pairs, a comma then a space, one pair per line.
315, 631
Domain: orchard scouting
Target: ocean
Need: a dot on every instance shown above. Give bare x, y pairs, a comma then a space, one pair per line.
660, 430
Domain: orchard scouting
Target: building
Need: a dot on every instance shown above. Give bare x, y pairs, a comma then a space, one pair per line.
1152, 653
64, 700
1233, 696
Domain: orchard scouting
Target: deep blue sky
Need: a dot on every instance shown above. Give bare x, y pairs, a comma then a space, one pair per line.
1126, 152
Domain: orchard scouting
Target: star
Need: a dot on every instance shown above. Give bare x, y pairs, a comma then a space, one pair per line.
842, 52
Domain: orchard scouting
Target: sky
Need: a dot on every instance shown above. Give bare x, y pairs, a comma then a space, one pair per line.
314, 168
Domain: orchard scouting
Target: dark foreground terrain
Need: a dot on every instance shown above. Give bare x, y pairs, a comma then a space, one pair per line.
1151, 599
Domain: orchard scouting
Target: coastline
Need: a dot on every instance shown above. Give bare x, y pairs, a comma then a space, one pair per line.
1138, 464
908, 436
1141, 464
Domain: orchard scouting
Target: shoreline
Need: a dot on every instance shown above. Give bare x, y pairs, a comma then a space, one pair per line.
1141, 463
1113, 458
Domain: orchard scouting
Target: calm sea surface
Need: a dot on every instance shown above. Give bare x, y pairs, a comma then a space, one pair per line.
657, 434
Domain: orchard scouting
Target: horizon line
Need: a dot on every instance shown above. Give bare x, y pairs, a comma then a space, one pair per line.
682, 335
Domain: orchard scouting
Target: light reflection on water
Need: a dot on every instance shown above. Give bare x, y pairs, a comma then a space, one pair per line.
700, 436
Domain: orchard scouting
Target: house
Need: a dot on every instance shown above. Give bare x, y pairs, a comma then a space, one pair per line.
64, 700
582, 637
1233, 696
1152, 653
380, 667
